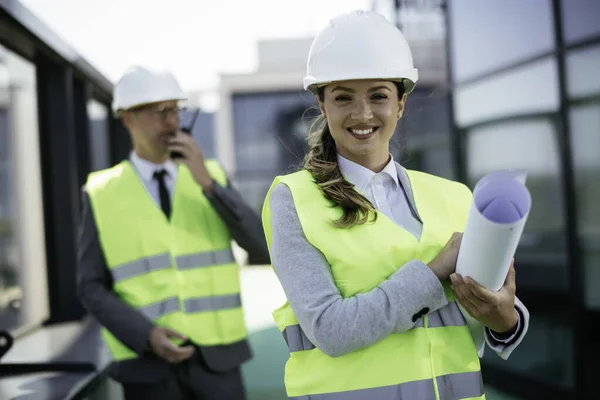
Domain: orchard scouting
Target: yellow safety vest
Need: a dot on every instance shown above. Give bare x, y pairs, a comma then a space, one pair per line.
437, 358
179, 273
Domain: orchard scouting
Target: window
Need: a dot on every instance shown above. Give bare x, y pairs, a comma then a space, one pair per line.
585, 142
99, 135
546, 352
582, 70
525, 90
432, 160
529, 144
426, 115
267, 122
203, 130
580, 19
422, 139
270, 131
23, 289
490, 34
439, 162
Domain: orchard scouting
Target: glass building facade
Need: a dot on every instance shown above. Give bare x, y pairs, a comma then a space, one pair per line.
525, 95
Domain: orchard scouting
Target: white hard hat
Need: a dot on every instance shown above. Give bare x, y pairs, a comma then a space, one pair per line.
359, 45
139, 86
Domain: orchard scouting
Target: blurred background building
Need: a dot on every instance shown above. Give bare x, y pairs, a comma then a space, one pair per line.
503, 84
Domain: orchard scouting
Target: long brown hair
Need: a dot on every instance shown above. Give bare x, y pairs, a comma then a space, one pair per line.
321, 162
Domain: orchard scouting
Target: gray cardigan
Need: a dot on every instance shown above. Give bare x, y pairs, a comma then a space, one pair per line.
338, 325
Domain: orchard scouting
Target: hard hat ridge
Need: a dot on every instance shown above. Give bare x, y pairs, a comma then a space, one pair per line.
140, 85
359, 45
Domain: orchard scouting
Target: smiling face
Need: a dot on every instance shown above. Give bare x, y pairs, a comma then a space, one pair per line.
362, 117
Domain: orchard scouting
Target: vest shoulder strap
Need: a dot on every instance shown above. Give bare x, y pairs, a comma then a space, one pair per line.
216, 171
432, 183
100, 179
305, 193
302, 185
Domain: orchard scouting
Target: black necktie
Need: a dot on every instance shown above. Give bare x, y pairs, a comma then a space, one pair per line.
165, 200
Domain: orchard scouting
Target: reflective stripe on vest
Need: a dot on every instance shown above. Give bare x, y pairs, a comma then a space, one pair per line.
296, 339
213, 303
157, 310
448, 315
450, 387
208, 259
163, 261
200, 304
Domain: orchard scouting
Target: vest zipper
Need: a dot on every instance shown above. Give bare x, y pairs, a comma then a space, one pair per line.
431, 355
218, 327
180, 282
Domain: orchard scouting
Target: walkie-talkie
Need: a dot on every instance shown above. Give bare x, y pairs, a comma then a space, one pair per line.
187, 129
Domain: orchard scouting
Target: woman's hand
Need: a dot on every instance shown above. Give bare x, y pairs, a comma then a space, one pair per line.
495, 310
444, 264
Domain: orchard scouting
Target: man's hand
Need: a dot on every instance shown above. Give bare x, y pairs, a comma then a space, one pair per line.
192, 157
160, 341
496, 310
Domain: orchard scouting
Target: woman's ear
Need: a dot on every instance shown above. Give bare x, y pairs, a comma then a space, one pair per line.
401, 104
322, 108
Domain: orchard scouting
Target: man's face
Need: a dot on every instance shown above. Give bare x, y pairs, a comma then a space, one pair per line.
151, 126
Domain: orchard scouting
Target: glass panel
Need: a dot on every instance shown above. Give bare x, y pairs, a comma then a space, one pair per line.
531, 145
254, 186
435, 160
585, 142
99, 135
490, 34
270, 131
582, 72
526, 90
545, 354
422, 139
439, 162
580, 19
426, 115
23, 286
203, 130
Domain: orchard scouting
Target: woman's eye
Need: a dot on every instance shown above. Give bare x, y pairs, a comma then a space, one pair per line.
379, 96
342, 97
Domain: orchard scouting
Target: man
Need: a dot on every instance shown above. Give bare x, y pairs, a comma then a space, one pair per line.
156, 267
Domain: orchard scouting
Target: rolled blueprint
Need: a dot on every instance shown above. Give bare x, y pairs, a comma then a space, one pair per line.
499, 211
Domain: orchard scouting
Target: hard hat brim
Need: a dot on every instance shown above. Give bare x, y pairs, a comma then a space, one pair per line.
409, 77
117, 111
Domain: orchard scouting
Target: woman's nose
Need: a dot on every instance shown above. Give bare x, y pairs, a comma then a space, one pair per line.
362, 112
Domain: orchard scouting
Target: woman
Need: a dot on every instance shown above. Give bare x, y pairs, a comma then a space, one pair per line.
366, 250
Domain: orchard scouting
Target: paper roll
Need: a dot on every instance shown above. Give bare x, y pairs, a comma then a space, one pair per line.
499, 211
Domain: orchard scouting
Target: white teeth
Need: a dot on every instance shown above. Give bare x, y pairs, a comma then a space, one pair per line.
362, 131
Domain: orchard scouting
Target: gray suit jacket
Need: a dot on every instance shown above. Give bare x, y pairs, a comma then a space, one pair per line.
130, 326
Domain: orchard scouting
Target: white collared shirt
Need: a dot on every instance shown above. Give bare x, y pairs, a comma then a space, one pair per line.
384, 191
145, 170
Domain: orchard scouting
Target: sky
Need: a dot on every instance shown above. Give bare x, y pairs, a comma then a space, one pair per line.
196, 39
